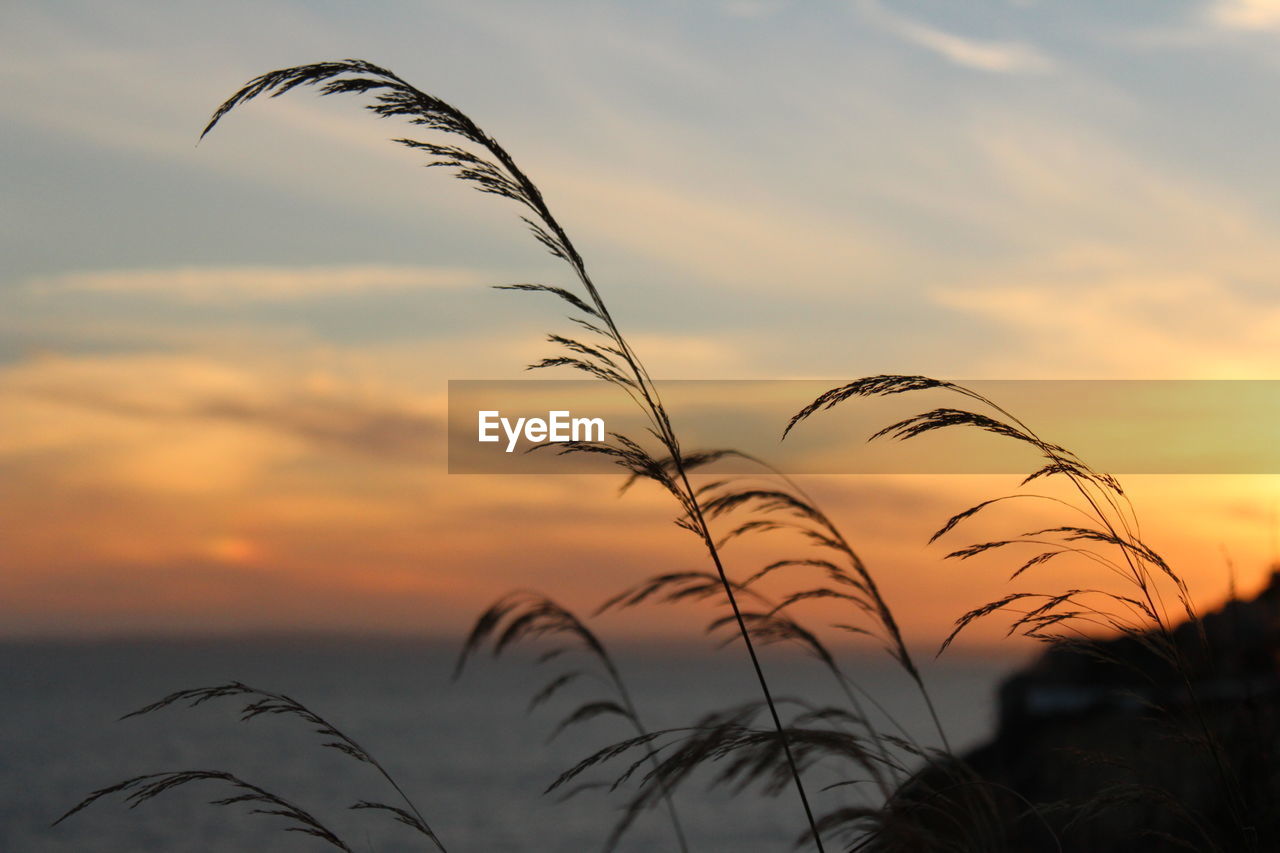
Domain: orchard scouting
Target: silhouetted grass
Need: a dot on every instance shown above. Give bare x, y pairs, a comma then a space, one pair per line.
1075, 618
264, 703
927, 797
525, 616
606, 355
140, 789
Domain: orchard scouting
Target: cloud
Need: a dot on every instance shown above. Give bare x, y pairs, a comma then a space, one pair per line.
725, 239
198, 426
255, 284
750, 8
1124, 316
1121, 264
1000, 57
1246, 14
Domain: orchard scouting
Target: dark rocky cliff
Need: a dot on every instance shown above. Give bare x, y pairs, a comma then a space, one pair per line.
1105, 747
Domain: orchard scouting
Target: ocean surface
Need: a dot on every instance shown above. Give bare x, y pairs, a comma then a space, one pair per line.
468, 753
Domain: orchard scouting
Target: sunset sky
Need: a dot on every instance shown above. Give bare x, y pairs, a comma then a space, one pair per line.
223, 367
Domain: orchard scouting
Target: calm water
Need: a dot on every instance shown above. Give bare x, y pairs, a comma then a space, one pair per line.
466, 752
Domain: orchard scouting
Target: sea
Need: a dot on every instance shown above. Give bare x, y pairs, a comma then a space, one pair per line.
468, 752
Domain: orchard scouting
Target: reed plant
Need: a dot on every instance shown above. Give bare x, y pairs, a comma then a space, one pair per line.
926, 797
1107, 535
257, 704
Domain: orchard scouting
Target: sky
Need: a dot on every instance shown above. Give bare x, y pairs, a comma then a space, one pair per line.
223, 366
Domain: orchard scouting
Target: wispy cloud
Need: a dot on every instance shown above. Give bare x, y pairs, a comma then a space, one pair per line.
195, 425
255, 284
722, 239
750, 8
1246, 14
1125, 316
1130, 265
1000, 57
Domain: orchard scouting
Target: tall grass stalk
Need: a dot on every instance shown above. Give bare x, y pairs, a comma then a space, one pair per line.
264, 703
944, 806
1070, 617
487, 165
525, 615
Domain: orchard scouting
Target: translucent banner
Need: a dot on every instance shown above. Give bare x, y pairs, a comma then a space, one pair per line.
1115, 426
